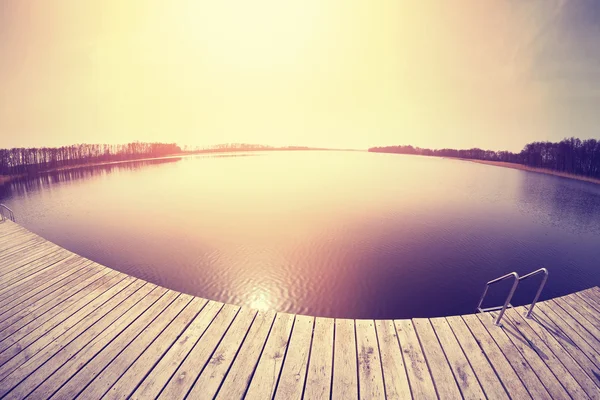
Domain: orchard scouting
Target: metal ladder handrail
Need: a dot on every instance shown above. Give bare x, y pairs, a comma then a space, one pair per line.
540, 288
11, 214
516, 282
507, 304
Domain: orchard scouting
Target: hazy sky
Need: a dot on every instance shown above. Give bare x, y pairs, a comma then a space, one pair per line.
344, 73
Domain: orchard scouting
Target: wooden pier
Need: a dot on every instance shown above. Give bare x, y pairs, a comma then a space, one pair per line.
71, 328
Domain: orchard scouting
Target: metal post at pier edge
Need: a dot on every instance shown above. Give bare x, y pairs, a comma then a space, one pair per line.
502, 309
6, 213
539, 292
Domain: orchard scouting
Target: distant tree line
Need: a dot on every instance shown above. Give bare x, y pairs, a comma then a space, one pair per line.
574, 156
226, 147
18, 161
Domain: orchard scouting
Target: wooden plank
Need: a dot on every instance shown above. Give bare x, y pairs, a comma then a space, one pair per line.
12, 265
210, 379
8, 232
590, 300
34, 267
112, 362
8, 238
519, 363
511, 381
19, 265
21, 236
43, 301
566, 333
28, 246
443, 378
578, 315
61, 378
463, 373
589, 296
269, 365
419, 377
16, 303
482, 368
320, 367
22, 267
23, 380
295, 363
583, 308
556, 313
70, 267
370, 374
156, 380
8, 227
185, 376
8, 235
239, 376
593, 292
50, 344
138, 370
392, 362
560, 343
16, 237
31, 282
24, 247
46, 309
544, 374
345, 361
30, 333
556, 358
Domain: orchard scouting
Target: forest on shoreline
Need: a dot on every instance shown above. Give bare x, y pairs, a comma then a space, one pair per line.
29, 161
24, 161
569, 156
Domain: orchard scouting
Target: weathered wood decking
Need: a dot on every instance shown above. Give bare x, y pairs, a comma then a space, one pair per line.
72, 328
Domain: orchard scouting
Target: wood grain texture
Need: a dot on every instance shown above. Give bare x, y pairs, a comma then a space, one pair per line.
320, 369
238, 378
266, 375
295, 364
463, 373
419, 377
392, 361
345, 362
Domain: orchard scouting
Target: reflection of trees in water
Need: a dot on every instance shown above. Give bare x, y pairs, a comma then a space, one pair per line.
25, 185
573, 205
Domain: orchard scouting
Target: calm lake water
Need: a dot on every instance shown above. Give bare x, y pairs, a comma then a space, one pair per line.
339, 234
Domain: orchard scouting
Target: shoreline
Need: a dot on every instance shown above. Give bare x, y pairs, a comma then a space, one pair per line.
5, 179
533, 169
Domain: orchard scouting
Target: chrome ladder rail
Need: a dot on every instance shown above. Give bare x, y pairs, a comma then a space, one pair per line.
540, 288
516, 282
507, 304
6, 213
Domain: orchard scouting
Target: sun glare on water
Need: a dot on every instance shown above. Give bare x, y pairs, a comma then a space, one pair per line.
260, 302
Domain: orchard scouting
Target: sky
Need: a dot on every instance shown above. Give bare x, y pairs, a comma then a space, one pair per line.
337, 73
